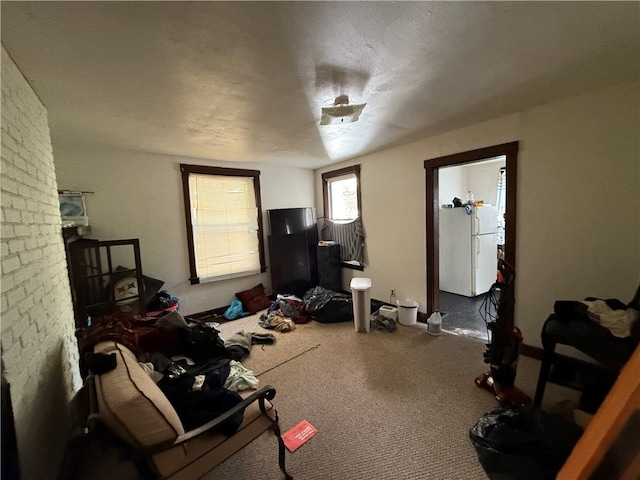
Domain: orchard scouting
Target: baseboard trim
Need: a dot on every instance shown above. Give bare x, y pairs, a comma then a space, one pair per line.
531, 351
217, 314
214, 315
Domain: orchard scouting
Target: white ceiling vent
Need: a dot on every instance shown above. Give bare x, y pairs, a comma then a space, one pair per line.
341, 112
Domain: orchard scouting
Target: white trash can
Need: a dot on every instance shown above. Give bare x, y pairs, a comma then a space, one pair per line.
408, 311
361, 294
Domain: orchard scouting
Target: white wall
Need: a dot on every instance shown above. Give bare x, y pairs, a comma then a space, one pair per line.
479, 178
482, 180
452, 183
39, 352
138, 195
578, 203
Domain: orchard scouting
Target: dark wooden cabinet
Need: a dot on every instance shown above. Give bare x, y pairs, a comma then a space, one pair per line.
296, 266
329, 267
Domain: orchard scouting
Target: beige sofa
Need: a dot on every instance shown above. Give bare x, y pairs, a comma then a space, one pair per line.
128, 402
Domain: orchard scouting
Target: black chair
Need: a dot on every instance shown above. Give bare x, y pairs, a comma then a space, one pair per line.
569, 325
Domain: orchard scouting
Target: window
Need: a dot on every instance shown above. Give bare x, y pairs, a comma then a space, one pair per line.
341, 194
343, 200
343, 215
224, 222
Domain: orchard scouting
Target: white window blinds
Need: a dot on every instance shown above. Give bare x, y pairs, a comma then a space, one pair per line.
224, 216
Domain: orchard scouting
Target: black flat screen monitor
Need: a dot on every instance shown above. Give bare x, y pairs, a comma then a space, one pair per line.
288, 221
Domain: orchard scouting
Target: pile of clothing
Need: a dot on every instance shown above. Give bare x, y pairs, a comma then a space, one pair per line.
284, 313
198, 372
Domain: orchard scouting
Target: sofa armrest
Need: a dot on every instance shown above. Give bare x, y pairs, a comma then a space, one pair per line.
267, 392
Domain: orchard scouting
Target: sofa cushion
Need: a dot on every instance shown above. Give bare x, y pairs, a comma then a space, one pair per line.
208, 450
131, 404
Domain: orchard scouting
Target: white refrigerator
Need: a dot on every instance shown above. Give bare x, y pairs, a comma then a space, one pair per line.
468, 250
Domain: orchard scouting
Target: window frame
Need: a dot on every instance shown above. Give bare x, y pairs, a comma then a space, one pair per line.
187, 170
342, 172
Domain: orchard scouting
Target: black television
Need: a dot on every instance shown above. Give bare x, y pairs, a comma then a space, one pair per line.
288, 221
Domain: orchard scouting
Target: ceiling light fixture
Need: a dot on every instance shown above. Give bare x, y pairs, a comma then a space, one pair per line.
341, 112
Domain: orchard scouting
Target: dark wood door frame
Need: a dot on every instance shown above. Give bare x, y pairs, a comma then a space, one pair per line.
510, 151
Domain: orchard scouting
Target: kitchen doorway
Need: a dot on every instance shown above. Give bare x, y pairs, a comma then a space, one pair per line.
462, 311
470, 239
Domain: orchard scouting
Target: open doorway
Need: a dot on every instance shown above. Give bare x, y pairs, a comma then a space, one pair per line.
437, 300
471, 240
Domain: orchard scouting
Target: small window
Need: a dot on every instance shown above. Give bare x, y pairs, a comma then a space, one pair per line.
341, 191
343, 214
343, 198
224, 222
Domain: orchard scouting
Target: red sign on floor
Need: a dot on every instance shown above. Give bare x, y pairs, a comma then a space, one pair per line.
295, 437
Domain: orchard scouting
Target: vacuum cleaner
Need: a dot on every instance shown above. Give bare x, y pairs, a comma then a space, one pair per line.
497, 310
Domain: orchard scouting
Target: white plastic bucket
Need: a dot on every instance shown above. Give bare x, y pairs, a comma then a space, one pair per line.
361, 294
408, 311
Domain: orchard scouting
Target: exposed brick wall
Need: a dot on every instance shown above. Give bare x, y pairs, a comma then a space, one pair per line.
39, 352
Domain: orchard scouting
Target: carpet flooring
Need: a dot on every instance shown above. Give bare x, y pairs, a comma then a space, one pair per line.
386, 405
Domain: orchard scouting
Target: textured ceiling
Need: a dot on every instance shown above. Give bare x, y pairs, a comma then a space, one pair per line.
246, 81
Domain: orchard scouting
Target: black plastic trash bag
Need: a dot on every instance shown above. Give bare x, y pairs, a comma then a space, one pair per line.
523, 443
316, 298
327, 306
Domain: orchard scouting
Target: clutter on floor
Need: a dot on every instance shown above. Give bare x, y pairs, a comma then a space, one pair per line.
518, 441
187, 358
523, 442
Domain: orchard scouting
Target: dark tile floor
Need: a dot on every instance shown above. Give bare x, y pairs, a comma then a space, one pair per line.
461, 315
